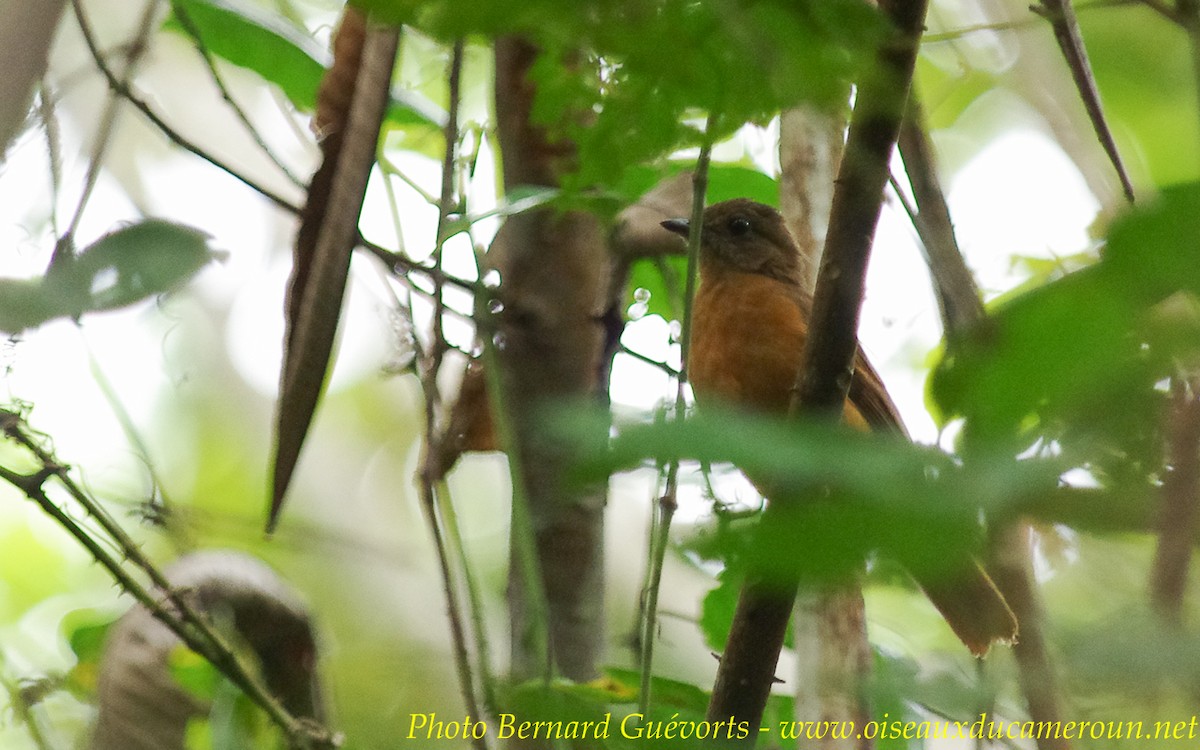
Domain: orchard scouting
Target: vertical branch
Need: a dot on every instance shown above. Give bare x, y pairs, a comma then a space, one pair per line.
669, 501
957, 295
430, 366
810, 149
747, 667
1180, 506
833, 655
549, 343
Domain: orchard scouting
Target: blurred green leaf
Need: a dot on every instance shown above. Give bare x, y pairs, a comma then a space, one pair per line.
666, 692
24, 304
1142, 64
716, 611
839, 493
1079, 360
126, 266
1133, 651
86, 632
194, 673
133, 263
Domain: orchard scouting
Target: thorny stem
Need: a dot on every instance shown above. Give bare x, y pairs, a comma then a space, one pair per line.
432, 447
22, 709
176, 612
108, 117
669, 501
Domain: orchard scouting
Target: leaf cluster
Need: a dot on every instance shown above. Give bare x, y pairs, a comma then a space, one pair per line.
1079, 364
606, 81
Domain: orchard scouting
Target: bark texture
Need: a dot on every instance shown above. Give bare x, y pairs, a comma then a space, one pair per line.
554, 270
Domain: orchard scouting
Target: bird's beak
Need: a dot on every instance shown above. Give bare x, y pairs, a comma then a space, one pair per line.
678, 226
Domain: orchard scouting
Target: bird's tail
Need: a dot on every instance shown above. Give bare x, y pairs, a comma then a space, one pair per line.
973, 607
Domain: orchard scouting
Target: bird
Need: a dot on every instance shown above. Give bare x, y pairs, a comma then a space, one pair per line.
750, 319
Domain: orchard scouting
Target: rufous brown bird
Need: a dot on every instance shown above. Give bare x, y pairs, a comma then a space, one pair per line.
749, 322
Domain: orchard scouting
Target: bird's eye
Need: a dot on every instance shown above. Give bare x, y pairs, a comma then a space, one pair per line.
739, 226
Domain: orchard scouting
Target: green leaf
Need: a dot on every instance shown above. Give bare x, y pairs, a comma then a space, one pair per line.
716, 611
86, 633
129, 265
840, 494
667, 693
662, 279
741, 61
727, 181
24, 304
194, 673
257, 40
139, 261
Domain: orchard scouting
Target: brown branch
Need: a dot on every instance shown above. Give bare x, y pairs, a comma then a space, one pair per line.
432, 446
554, 272
747, 667
1180, 505
953, 284
1061, 16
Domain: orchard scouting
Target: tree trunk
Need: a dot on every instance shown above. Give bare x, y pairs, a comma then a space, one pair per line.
554, 268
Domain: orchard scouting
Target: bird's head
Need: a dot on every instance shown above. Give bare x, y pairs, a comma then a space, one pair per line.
746, 236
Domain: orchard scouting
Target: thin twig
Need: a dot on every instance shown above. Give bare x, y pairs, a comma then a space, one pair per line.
127, 93
432, 446
193, 31
53, 147
22, 711
669, 501
623, 349
1065, 25
108, 117
126, 422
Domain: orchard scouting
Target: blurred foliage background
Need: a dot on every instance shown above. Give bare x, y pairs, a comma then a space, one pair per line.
165, 408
